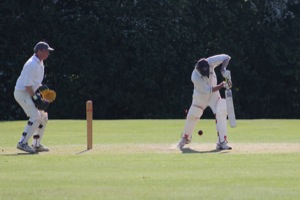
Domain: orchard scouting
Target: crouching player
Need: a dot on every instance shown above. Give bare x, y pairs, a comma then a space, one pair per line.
206, 93
31, 102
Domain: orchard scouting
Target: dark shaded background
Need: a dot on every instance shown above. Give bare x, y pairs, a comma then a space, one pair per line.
134, 59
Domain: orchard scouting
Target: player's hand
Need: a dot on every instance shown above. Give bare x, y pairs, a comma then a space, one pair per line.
40, 103
228, 84
221, 85
226, 74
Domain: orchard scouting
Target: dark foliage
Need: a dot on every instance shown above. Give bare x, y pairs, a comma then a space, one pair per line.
134, 58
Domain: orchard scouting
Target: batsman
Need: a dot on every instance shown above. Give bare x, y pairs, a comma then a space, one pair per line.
206, 93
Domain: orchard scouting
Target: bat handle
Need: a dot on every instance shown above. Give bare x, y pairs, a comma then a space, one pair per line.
227, 85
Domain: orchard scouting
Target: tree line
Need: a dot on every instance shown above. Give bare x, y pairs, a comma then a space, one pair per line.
134, 58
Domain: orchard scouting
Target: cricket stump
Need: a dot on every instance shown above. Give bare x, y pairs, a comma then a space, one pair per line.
89, 122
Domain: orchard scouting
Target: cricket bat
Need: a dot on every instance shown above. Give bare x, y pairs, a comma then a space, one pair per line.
230, 107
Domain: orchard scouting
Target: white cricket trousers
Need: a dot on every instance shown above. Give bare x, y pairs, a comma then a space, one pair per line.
37, 118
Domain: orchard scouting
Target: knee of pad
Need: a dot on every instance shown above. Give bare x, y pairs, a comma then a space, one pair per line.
44, 117
36, 118
194, 113
221, 107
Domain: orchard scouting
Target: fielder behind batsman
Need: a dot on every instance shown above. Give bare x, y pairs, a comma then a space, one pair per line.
206, 93
32, 97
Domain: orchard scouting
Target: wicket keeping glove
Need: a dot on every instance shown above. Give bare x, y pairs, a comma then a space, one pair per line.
47, 94
40, 103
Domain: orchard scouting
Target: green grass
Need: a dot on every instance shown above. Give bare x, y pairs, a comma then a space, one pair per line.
136, 159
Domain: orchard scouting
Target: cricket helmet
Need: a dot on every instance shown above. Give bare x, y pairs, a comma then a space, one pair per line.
203, 67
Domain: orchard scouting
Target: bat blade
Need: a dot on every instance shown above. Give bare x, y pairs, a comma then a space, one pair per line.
230, 108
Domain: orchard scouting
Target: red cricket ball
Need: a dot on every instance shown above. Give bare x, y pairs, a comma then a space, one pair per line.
200, 132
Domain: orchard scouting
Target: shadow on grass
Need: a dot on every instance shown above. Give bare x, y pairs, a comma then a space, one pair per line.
189, 150
19, 154
83, 151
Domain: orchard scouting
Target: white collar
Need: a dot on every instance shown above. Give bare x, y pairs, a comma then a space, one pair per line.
35, 58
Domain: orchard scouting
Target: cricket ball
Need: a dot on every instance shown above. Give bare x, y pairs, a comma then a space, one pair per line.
200, 132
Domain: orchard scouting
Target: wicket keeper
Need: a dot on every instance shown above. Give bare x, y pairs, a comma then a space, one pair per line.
29, 81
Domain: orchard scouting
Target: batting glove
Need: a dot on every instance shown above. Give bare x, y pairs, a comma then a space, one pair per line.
228, 84
226, 74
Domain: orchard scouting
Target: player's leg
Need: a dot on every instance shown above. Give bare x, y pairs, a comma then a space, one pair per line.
38, 135
193, 116
218, 106
221, 121
29, 108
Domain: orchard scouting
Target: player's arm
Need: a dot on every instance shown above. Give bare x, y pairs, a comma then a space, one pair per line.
29, 77
220, 59
40, 103
218, 87
225, 63
216, 60
29, 90
226, 73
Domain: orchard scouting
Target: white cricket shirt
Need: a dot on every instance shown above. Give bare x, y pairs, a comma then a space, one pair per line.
32, 74
202, 84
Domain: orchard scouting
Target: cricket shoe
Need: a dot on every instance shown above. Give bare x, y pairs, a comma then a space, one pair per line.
25, 147
40, 148
183, 142
223, 146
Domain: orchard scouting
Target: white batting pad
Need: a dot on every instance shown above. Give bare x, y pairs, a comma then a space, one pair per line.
192, 118
41, 129
221, 120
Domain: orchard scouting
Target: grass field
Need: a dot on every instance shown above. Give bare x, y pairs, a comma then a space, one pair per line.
137, 159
